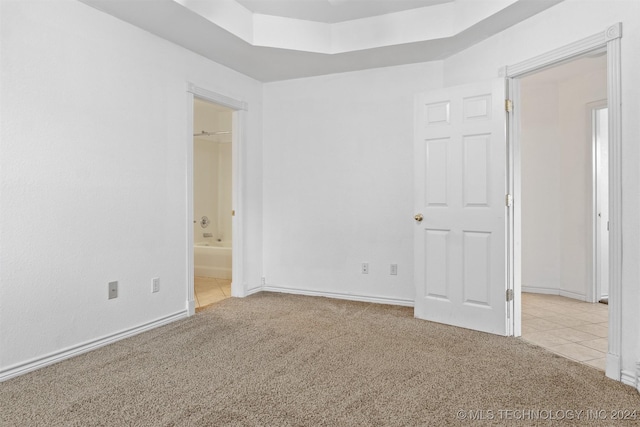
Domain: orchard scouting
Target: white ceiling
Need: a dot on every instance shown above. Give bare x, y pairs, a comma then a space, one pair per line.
269, 48
332, 11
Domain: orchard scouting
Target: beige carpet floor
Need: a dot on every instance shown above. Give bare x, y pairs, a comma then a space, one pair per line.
284, 360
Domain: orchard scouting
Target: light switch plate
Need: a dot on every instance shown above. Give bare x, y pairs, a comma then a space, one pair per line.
113, 290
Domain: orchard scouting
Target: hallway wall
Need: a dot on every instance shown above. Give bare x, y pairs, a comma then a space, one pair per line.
541, 197
557, 174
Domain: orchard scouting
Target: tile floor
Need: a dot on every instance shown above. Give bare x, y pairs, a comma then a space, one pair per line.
209, 290
574, 329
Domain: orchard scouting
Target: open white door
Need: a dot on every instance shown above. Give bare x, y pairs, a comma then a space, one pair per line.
461, 214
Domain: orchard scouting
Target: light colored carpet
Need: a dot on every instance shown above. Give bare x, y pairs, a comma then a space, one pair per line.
285, 360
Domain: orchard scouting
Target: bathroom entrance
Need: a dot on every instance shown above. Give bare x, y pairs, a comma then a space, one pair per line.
212, 202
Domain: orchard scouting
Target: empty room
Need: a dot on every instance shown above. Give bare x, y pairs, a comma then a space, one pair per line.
320, 212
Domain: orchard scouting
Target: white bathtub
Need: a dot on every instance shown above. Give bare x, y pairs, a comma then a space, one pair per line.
212, 259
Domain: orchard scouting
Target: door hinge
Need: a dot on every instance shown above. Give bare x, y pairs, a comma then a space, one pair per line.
509, 295
508, 200
508, 105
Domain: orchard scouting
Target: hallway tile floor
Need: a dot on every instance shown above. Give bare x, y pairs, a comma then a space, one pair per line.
209, 290
571, 328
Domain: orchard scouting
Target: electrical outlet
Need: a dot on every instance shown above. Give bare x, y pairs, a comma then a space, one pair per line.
365, 268
155, 284
113, 290
263, 281
394, 270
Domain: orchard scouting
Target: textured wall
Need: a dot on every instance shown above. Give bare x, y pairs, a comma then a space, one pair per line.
94, 176
338, 180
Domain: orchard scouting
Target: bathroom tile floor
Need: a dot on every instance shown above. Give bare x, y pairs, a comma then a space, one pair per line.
574, 329
209, 290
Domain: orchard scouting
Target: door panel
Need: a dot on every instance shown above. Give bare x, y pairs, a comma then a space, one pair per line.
477, 151
460, 187
436, 245
436, 169
475, 264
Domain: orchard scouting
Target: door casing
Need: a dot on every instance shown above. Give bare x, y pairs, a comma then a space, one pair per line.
610, 40
599, 223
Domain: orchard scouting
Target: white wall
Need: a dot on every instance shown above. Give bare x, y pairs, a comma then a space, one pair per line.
212, 189
541, 196
225, 204
577, 176
212, 162
564, 23
556, 162
338, 181
93, 176
205, 189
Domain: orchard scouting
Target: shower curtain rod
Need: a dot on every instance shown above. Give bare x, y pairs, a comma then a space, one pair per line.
203, 133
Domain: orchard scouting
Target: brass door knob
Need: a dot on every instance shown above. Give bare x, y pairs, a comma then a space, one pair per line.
418, 217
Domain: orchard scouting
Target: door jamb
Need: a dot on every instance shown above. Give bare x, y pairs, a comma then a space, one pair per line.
609, 39
592, 107
238, 286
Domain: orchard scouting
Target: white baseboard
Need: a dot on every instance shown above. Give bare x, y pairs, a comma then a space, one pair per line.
191, 307
553, 291
573, 295
612, 367
629, 378
58, 356
350, 297
254, 290
536, 290
243, 291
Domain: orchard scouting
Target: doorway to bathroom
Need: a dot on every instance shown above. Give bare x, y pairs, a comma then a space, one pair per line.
212, 202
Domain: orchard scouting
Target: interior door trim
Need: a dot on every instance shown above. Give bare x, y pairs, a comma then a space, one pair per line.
610, 39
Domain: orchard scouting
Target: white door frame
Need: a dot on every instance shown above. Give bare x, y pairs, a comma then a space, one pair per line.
238, 288
609, 39
592, 108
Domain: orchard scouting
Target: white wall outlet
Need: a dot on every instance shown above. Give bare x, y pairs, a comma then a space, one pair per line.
155, 284
394, 270
263, 281
365, 268
113, 290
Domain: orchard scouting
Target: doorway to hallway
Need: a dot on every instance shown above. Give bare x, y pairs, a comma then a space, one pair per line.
564, 208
